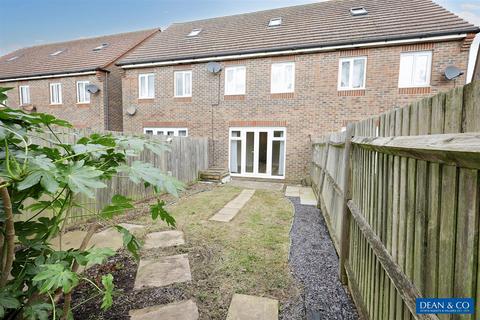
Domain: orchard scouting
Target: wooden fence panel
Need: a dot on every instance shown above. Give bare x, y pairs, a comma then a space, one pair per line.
422, 206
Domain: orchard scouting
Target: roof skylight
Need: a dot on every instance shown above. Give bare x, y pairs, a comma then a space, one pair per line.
194, 32
358, 11
13, 58
56, 53
275, 22
100, 47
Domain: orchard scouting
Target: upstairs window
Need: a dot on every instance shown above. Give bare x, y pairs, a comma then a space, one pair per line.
358, 11
351, 73
415, 69
83, 96
235, 80
146, 86
13, 58
183, 84
100, 47
55, 93
56, 53
283, 77
176, 132
24, 95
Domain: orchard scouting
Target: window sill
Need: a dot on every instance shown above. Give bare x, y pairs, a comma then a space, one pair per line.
146, 100
182, 99
351, 93
56, 104
83, 105
284, 95
234, 97
415, 90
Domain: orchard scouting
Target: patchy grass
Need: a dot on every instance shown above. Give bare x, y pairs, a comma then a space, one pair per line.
248, 255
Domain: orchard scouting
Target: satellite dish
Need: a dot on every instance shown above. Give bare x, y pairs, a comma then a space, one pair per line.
131, 110
214, 67
92, 88
452, 72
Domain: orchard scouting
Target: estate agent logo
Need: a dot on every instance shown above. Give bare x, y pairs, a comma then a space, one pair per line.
445, 306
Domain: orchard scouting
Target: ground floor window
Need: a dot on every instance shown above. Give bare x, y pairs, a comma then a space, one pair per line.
257, 152
177, 132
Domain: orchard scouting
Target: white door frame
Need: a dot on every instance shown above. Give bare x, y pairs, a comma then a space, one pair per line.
270, 139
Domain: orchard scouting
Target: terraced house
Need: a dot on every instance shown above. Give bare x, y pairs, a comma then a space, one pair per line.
260, 84
75, 80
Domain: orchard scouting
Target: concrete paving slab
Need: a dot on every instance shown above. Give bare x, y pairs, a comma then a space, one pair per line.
307, 197
292, 191
245, 307
184, 310
108, 238
225, 214
133, 227
259, 185
163, 239
231, 209
70, 240
162, 271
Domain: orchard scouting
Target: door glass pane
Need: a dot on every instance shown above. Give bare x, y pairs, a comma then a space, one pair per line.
278, 134
262, 152
235, 133
250, 152
278, 151
182, 133
236, 156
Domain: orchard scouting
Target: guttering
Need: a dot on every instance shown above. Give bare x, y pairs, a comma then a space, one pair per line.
294, 51
54, 75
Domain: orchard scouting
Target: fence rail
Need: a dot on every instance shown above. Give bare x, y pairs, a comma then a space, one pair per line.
400, 193
184, 159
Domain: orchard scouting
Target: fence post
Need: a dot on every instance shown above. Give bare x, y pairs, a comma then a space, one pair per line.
345, 228
324, 170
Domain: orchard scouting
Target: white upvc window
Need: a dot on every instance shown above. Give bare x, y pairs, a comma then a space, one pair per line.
235, 78
183, 84
176, 132
24, 95
352, 73
83, 96
415, 69
283, 77
55, 93
146, 86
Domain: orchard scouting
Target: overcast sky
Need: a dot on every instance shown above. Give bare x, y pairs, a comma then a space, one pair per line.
31, 22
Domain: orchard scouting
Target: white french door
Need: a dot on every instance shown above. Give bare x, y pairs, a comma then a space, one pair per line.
257, 152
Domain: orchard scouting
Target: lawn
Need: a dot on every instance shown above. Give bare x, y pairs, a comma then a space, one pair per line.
248, 255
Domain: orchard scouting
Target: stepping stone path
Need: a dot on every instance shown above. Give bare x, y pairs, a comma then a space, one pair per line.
306, 194
231, 209
163, 239
163, 271
244, 307
185, 310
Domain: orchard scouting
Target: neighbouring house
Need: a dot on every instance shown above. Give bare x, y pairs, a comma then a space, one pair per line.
261, 84
476, 70
74, 80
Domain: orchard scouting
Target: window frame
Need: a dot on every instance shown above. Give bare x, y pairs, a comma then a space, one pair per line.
146, 75
22, 102
235, 70
183, 73
60, 99
282, 90
428, 73
156, 130
350, 79
86, 93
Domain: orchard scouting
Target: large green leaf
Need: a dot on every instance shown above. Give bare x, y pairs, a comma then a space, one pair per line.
98, 255
158, 211
7, 302
118, 205
129, 241
83, 179
46, 178
107, 282
37, 311
54, 276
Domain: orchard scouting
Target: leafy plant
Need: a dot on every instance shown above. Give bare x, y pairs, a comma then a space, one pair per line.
40, 174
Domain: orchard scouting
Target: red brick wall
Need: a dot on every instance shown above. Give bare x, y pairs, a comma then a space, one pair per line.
80, 115
115, 116
315, 108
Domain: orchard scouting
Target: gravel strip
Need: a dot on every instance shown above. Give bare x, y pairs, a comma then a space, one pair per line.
314, 263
